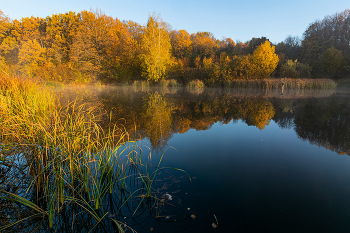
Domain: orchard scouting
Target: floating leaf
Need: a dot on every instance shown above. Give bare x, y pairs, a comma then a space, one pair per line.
214, 225
193, 216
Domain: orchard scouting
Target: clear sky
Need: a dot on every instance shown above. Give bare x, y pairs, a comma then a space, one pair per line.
239, 20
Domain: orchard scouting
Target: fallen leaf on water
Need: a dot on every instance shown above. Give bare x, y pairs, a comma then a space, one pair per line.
214, 225
151, 229
193, 216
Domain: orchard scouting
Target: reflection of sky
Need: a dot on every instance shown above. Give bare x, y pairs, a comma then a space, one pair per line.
260, 177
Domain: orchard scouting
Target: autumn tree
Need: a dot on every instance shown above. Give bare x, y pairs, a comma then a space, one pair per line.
264, 60
7, 42
5, 25
29, 28
226, 45
60, 32
101, 45
157, 49
31, 57
136, 31
204, 44
241, 67
181, 43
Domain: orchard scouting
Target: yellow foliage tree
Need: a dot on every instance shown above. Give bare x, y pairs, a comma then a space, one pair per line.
5, 24
181, 43
204, 44
31, 57
157, 49
264, 61
60, 32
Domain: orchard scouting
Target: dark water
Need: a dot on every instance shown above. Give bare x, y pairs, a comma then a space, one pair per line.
254, 161
259, 161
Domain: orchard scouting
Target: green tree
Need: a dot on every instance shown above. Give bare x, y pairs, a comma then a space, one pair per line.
330, 63
157, 49
264, 60
295, 69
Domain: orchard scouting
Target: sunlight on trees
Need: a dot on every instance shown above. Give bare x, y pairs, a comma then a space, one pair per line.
31, 57
90, 45
264, 60
156, 44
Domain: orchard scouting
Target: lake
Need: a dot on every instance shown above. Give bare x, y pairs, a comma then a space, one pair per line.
251, 160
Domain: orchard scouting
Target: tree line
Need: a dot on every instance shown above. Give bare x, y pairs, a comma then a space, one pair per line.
90, 45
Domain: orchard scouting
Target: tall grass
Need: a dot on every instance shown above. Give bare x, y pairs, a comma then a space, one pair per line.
287, 83
141, 83
169, 83
71, 160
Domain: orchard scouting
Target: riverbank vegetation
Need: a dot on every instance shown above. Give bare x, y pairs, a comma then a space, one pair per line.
62, 168
91, 46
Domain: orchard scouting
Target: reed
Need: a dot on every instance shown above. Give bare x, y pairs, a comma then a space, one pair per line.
169, 83
72, 161
141, 83
287, 83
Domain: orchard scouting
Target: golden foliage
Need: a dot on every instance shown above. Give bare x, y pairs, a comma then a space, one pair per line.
181, 43
156, 45
31, 57
264, 60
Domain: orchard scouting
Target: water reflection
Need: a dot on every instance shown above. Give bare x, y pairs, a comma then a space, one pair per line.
320, 117
157, 119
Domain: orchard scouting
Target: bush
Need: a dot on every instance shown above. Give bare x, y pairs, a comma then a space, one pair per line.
295, 69
196, 84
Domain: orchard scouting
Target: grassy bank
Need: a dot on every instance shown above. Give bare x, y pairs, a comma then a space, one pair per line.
71, 164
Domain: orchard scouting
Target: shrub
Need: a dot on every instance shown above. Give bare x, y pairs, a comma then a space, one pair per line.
196, 84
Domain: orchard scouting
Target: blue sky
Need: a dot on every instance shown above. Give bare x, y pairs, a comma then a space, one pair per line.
239, 20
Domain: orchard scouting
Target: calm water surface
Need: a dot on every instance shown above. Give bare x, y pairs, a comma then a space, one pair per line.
258, 161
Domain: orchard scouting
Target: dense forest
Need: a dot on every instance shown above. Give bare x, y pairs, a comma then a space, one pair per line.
89, 45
